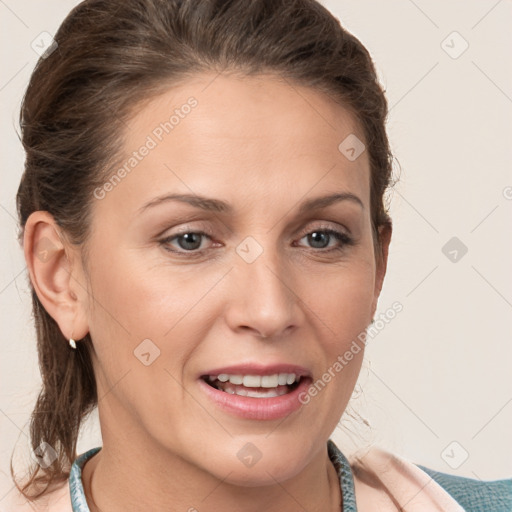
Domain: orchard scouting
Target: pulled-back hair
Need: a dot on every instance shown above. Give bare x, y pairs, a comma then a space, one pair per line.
114, 54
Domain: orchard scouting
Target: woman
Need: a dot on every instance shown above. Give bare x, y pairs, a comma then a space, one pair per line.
202, 215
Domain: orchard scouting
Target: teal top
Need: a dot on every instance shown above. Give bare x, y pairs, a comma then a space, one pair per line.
473, 495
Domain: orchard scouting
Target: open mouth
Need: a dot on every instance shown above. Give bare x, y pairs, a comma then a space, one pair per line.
254, 386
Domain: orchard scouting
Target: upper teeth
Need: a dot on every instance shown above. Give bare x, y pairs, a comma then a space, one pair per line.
257, 381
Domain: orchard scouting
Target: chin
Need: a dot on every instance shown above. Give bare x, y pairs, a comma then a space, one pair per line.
262, 475
252, 468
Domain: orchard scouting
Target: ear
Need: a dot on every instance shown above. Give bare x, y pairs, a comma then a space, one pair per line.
55, 273
385, 231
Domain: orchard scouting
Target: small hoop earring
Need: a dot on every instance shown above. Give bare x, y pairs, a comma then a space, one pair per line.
72, 343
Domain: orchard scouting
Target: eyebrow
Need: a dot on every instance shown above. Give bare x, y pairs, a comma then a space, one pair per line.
219, 206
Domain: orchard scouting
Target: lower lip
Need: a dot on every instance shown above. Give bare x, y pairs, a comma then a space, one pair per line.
257, 408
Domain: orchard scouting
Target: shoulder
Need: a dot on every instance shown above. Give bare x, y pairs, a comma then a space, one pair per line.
377, 471
56, 500
473, 494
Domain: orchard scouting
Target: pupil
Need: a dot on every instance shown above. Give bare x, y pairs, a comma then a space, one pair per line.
189, 239
317, 235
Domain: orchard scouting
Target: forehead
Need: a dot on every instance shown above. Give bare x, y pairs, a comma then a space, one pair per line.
253, 135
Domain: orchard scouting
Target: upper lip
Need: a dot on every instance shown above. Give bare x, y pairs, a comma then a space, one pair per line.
259, 369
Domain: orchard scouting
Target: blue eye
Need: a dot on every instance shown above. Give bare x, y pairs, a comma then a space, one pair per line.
326, 235
189, 242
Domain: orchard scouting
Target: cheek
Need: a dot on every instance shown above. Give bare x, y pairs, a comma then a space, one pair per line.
341, 302
139, 330
148, 319
137, 301
341, 311
342, 299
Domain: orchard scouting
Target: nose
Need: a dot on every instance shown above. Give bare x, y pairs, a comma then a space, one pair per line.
261, 296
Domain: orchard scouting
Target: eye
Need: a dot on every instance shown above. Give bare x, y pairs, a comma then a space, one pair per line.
188, 241
320, 238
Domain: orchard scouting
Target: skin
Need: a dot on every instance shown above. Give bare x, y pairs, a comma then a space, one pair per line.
264, 146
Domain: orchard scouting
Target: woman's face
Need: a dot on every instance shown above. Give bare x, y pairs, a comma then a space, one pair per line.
166, 310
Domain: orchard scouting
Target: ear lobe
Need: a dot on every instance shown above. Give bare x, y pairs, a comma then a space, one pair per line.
385, 232
49, 263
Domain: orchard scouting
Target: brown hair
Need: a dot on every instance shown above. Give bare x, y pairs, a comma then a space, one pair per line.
114, 54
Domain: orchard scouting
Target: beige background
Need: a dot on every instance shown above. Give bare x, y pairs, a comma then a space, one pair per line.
437, 381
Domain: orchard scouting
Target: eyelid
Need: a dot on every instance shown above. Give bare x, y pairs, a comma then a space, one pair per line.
207, 228
187, 229
319, 227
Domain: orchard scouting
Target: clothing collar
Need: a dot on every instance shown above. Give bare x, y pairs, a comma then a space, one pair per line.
340, 462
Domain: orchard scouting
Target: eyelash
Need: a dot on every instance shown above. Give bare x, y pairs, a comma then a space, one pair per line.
340, 236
